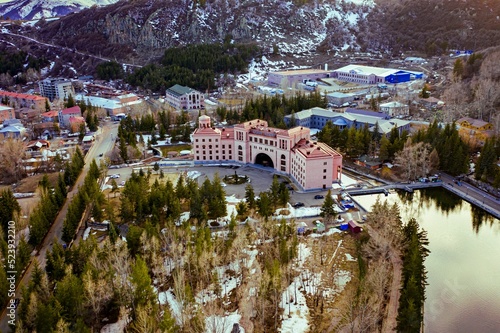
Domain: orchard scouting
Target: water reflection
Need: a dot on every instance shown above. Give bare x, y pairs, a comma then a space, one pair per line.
445, 201
463, 292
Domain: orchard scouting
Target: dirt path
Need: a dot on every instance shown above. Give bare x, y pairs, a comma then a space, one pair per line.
389, 324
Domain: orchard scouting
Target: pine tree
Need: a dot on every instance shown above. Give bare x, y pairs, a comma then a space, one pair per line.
250, 196
328, 208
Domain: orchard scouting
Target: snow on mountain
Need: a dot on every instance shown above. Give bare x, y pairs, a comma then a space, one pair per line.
36, 9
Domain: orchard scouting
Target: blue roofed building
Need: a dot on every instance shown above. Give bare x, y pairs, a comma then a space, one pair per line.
318, 117
372, 75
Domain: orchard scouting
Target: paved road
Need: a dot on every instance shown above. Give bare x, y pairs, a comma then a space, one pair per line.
103, 144
68, 49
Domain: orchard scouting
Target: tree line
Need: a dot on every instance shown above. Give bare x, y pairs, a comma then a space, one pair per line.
89, 196
15, 63
435, 147
273, 109
195, 66
40, 220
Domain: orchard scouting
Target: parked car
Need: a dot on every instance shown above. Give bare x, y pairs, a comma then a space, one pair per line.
100, 155
298, 204
319, 196
115, 176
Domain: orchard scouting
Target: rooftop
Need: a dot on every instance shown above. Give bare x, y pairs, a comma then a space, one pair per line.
179, 90
474, 122
302, 71
22, 96
72, 110
367, 70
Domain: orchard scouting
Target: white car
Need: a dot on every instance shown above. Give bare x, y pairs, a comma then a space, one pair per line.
114, 176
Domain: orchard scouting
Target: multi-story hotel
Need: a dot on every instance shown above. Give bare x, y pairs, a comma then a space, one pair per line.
313, 165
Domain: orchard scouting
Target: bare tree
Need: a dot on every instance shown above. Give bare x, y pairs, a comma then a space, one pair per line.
11, 159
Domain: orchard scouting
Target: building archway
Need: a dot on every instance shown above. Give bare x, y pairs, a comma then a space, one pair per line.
264, 160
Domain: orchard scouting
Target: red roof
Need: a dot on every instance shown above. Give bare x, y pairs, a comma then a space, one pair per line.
76, 120
312, 149
50, 114
72, 110
23, 96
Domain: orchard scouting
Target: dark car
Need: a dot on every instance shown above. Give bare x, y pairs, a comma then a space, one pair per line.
319, 196
100, 155
298, 204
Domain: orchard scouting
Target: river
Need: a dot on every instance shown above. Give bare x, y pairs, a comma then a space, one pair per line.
463, 292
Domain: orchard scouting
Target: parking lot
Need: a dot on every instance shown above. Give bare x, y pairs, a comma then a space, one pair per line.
260, 179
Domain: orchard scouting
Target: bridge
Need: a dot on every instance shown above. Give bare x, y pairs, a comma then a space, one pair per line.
467, 192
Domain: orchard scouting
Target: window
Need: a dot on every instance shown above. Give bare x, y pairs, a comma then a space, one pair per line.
223, 146
209, 140
196, 140
202, 140
324, 177
324, 170
240, 158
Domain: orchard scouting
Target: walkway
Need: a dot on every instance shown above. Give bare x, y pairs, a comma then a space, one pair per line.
466, 191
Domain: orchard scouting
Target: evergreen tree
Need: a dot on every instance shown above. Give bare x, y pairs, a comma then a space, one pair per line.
9, 207
264, 205
123, 149
250, 196
328, 208
70, 102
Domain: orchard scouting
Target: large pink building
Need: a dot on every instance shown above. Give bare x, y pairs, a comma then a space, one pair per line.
313, 165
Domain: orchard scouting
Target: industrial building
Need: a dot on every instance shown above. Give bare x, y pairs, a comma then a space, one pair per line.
372, 75
312, 165
290, 78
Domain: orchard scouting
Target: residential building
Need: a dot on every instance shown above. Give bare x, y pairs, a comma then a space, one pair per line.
45, 130
49, 116
290, 78
56, 88
318, 117
18, 101
475, 128
66, 114
311, 164
184, 98
394, 109
6, 112
431, 103
13, 128
373, 75
75, 124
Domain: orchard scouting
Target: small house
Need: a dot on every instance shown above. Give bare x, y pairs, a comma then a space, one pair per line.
354, 226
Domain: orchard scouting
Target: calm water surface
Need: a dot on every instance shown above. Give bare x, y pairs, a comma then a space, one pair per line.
463, 267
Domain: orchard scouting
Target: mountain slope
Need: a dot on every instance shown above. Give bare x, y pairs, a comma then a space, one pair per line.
149, 26
36, 9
